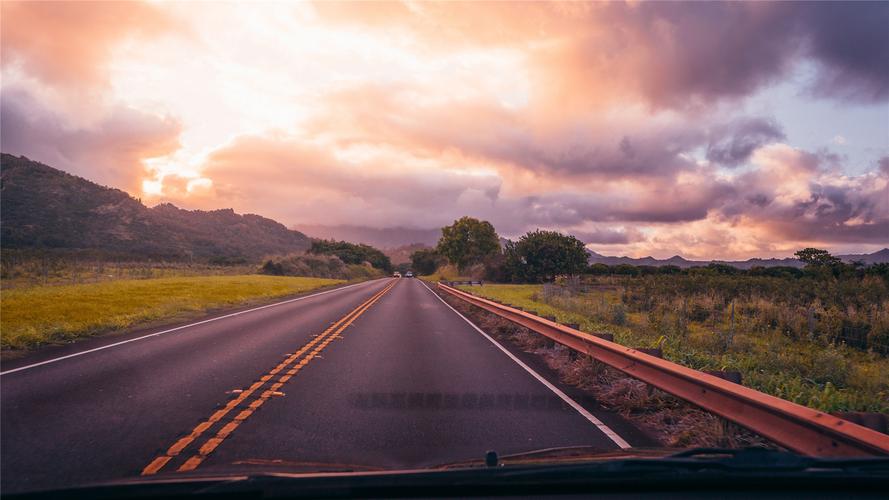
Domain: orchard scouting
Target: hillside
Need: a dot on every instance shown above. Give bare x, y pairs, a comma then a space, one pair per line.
402, 254
42, 207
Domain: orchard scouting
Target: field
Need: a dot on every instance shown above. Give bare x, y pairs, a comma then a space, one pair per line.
812, 369
21, 268
30, 316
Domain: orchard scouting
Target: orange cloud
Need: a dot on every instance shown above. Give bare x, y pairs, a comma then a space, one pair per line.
69, 43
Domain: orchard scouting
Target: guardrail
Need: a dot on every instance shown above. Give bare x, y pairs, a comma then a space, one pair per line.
455, 283
793, 426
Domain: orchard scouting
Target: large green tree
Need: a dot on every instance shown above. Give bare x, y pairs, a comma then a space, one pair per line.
468, 241
543, 255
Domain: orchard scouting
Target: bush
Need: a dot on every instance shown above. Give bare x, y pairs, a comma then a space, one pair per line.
317, 266
425, 261
351, 253
618, 315
829, 365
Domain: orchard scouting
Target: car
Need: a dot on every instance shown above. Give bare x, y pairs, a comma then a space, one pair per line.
396, 274
409, 274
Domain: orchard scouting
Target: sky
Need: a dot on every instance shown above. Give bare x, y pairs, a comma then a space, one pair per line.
710, 130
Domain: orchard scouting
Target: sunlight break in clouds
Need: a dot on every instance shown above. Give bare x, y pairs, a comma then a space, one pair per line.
643, 128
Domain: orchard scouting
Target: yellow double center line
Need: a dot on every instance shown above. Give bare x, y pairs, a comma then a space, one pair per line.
313, 347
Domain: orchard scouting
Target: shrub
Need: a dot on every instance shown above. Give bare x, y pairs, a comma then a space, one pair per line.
351, 253
318, 266
618, 315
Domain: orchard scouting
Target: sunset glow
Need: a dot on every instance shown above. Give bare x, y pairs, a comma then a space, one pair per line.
716, 130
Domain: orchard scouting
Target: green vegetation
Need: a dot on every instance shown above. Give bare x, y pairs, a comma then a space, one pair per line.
541, 256
794, 353
426, 260
47, 209
318, 266
352, 253
43, 314
468, 242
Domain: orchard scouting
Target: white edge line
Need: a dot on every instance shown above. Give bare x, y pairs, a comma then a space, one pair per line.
81, 353
574, 404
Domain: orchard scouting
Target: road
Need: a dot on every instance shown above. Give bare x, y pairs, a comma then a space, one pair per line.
382, 374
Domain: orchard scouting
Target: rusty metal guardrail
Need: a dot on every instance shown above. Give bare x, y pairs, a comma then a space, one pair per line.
801, 429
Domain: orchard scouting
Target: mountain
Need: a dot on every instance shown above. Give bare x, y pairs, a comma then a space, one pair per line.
389, 237
402, 254
878, 257
595, 258
42, 207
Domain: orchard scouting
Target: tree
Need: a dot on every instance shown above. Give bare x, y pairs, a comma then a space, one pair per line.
816, 257
468, 241
426, 260
351, 253
543, 255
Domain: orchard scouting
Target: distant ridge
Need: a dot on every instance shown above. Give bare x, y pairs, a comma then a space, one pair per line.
595, 258
42, 207
389, 237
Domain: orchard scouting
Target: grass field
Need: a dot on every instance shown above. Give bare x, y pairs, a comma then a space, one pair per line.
811, 373
44, 314
28, 272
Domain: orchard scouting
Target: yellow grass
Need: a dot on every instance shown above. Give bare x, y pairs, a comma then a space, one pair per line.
37, 315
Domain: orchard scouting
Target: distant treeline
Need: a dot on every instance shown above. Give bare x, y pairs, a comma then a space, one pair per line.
837, 270
474, 248
352, 253
331, 259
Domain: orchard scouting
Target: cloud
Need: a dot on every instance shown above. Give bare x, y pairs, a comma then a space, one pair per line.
297, 181
672, 55
625, 123
109, 152
796, 195
67, 44
609, 236
631, 144
734, 146
849, 41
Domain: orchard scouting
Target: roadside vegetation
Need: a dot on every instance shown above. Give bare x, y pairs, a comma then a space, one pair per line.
46, 314
320, 266
352, 253
816, 335
28, 268
814, 371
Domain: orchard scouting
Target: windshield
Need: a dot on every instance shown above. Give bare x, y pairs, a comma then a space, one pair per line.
302, 237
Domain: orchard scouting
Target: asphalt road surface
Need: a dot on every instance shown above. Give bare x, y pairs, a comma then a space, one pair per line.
382, 374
